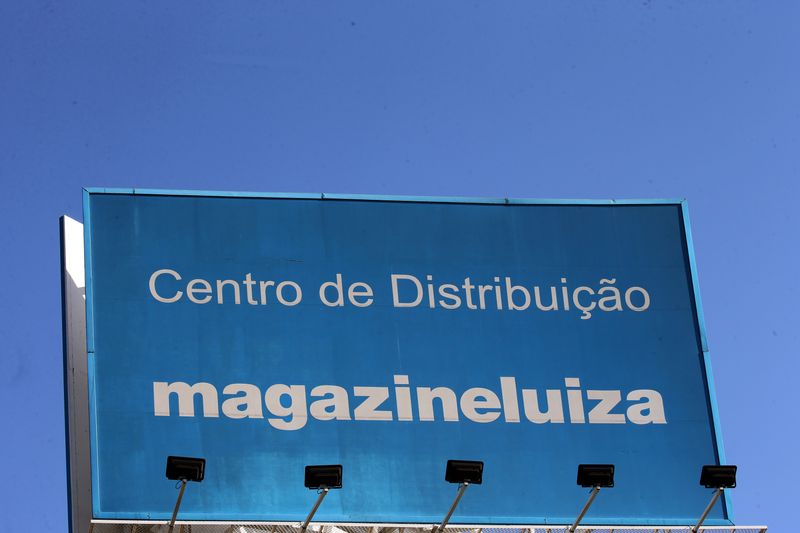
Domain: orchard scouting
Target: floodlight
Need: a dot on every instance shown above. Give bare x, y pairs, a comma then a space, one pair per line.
719, 477
464, 473
322, 478
184, 469
597, 477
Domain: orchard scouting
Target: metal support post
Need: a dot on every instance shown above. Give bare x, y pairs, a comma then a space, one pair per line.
574, 526
714, 498
460, 493
314, 509
177, 506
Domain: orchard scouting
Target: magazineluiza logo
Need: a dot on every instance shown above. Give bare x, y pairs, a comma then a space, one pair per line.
287, 407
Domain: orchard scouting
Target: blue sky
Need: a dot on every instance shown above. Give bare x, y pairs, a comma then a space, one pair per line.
696, 100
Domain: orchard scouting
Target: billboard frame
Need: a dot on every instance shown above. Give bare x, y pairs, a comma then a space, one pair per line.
74, 403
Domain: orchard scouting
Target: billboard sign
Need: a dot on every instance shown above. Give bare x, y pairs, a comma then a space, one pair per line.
266, 333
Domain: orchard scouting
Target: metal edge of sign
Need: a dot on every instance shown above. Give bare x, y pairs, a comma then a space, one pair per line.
709, 375
709, 381
76, 427
90, 348
382, 198
87, 262
64, 346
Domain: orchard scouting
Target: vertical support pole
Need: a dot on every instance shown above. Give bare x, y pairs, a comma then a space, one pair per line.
714, 498
460, 493
177, 506
314, 509
574, 526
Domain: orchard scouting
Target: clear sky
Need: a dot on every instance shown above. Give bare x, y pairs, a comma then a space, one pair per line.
647, 99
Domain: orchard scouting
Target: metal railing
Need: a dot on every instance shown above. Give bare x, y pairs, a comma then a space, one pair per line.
258, 527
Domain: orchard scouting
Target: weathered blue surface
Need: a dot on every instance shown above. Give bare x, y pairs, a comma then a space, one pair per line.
393, 469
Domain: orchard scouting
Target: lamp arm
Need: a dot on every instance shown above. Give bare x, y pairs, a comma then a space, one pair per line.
460, 493
314, 509
595, 492
714, 498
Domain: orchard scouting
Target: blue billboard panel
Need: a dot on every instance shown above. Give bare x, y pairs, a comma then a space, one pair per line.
270, 333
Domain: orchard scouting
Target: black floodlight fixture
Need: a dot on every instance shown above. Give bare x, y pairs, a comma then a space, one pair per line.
596, 476
184, 469
323, 477
718, 476
464, 472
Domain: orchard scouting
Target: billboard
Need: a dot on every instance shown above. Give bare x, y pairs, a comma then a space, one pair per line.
267, 332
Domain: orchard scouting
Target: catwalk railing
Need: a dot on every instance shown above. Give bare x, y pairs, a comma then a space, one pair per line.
255, 527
